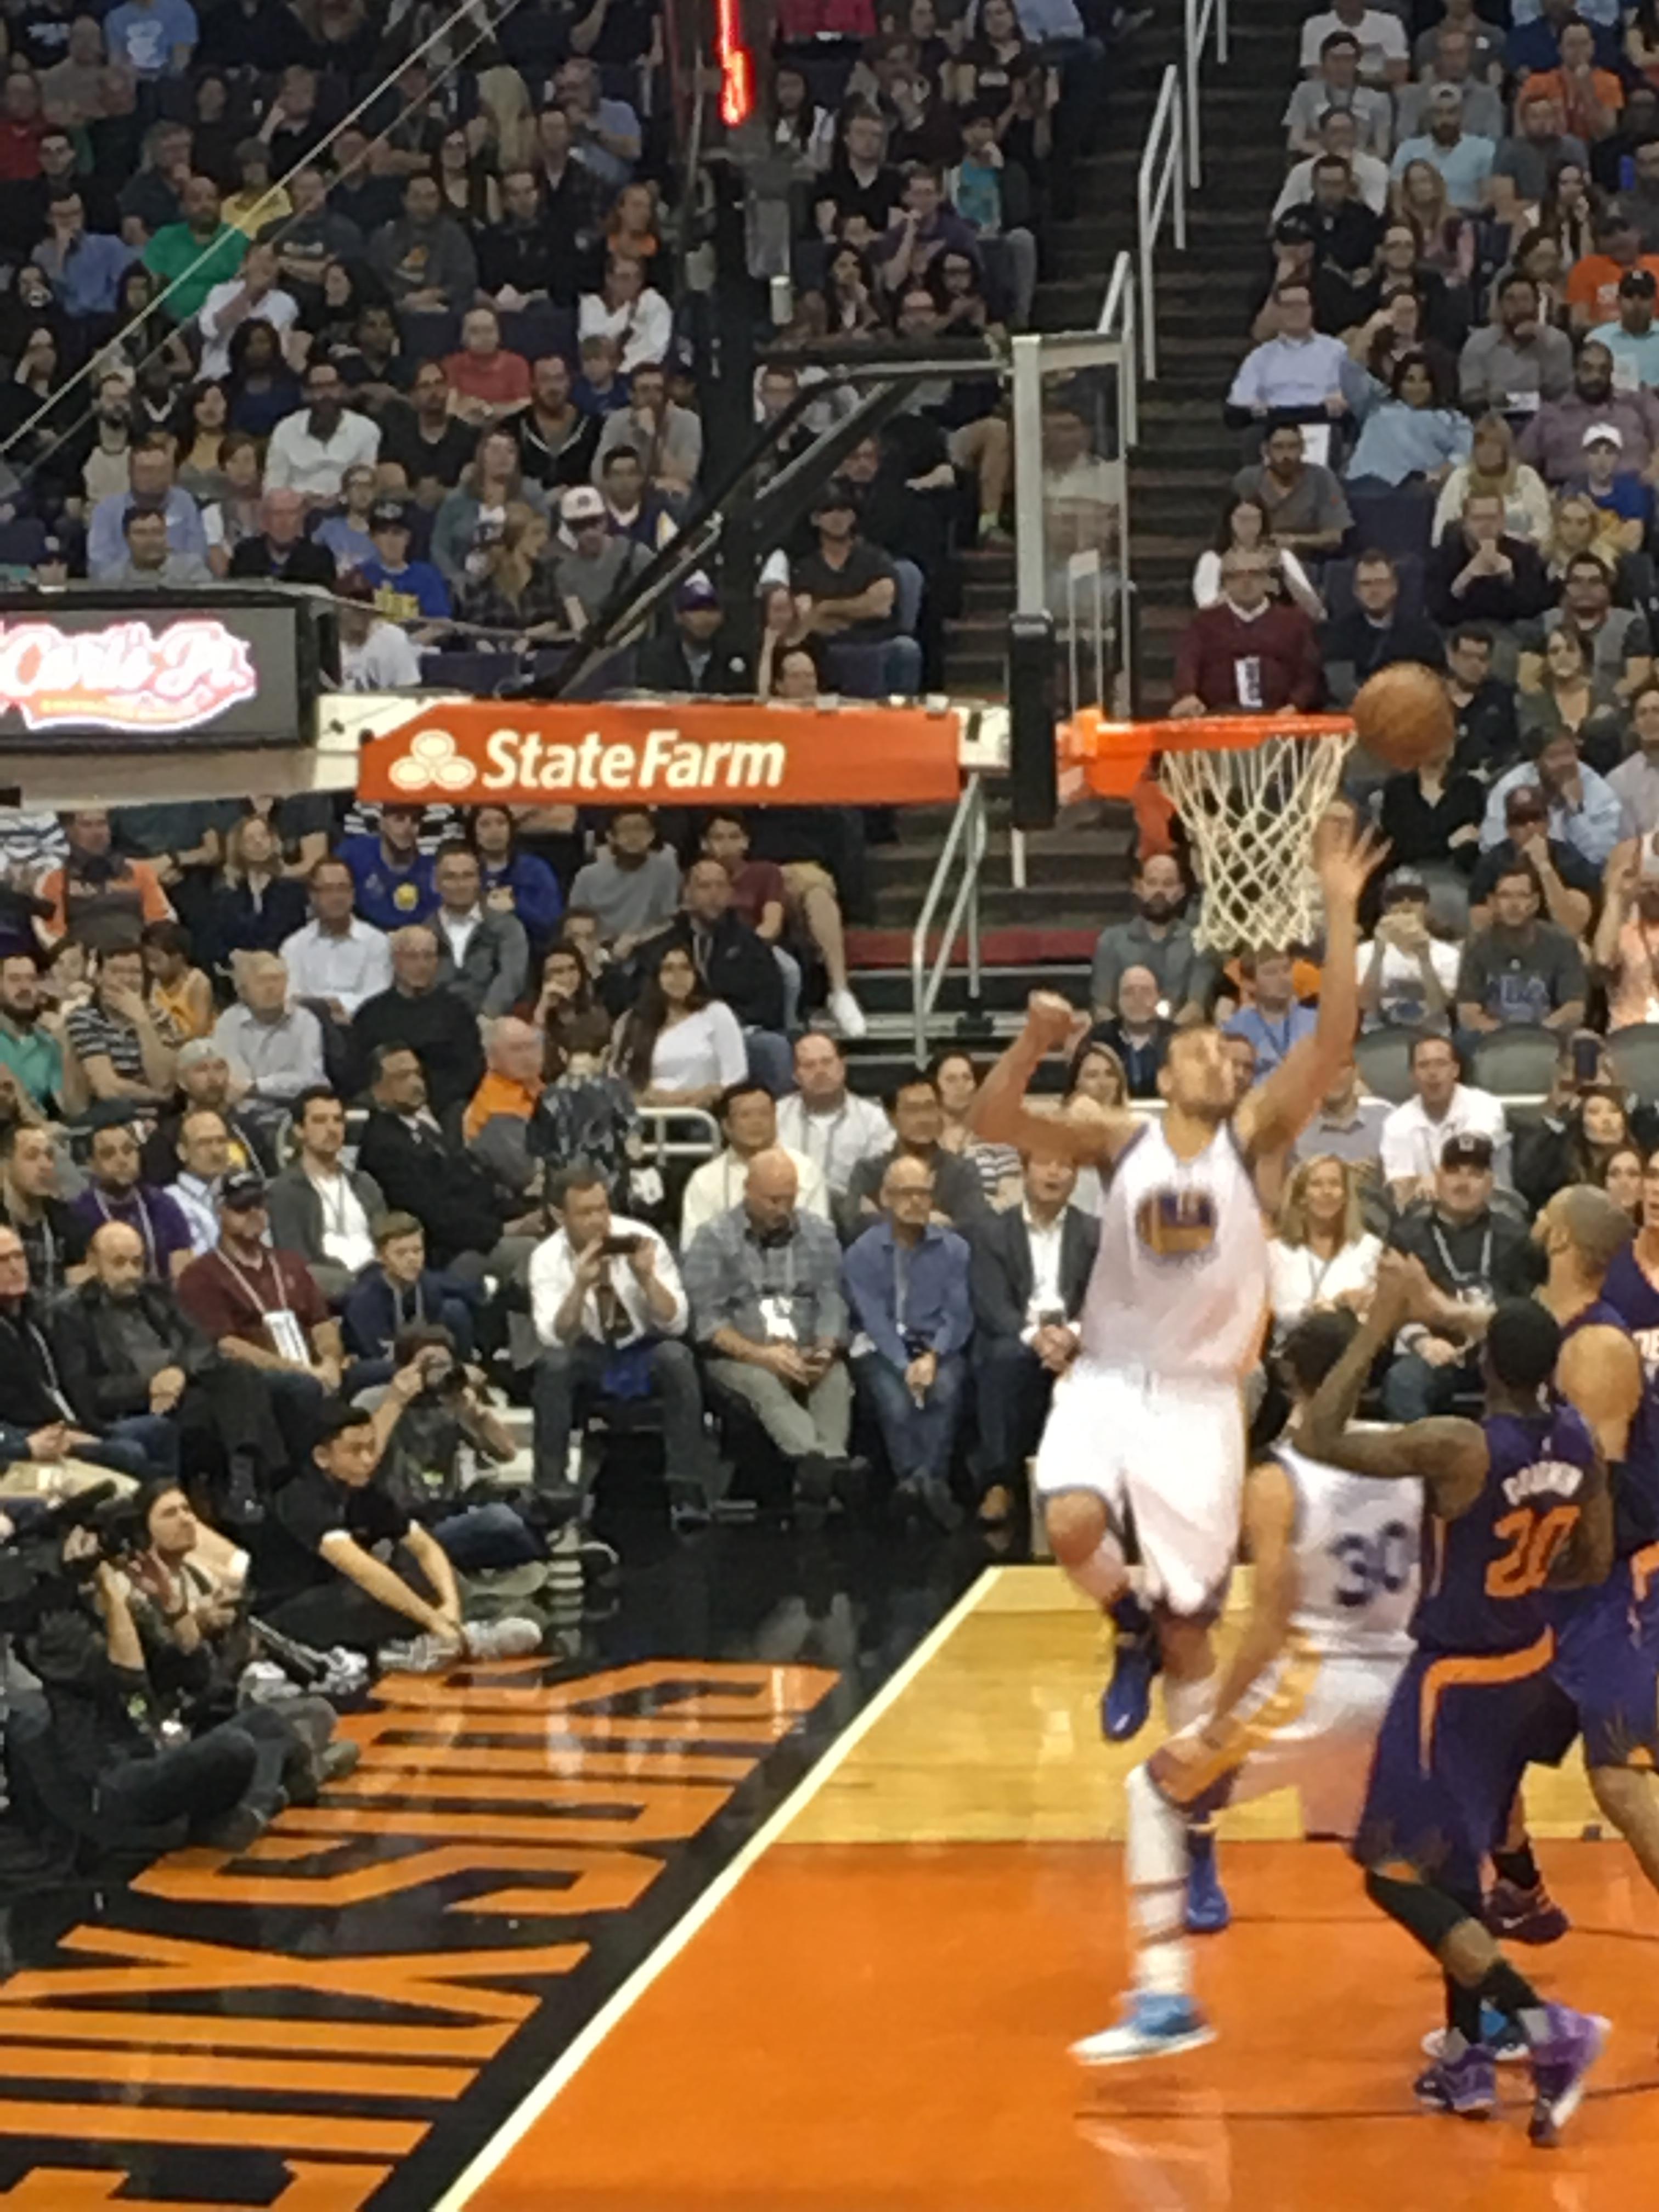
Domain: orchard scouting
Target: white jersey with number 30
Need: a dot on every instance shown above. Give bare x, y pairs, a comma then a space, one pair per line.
1356, 1546
1180, 1281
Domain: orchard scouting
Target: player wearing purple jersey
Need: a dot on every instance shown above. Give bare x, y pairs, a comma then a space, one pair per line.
1517, 1507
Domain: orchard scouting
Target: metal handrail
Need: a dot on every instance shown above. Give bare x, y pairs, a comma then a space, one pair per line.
968, 836
1160, 181
1118, 319
1200, 14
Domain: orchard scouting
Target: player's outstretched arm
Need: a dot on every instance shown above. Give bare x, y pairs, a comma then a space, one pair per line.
1448, 1455
1276, 1111
1000, 1115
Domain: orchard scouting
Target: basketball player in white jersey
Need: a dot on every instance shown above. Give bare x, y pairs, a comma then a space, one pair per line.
1146, 1441
1333, 1558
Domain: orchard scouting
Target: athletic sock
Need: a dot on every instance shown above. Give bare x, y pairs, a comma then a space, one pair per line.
1186, 1703
1514, 1997
1519, 1866
1155, 1868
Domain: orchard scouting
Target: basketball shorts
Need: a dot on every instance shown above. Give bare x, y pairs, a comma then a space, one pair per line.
1454, 1744
1167, 1457
1307, 1722
1607, 1669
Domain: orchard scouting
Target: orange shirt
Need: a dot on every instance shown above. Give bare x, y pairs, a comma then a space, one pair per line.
502, 378
1593, 283
498, 1094
1608, 92
138, 888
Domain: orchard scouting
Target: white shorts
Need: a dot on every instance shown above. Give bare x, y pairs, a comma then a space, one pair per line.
1167, 1456
1307, 1722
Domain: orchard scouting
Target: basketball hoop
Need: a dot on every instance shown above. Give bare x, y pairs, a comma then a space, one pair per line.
1251, 791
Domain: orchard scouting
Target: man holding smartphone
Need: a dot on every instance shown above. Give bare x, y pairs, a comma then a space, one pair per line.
611, 1314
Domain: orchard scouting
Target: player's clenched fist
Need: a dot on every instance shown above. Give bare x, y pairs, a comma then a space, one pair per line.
1049, 1020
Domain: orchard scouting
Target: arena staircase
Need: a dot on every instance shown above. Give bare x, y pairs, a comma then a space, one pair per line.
1076, 874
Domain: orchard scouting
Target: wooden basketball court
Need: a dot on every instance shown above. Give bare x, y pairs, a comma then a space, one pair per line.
871, 2012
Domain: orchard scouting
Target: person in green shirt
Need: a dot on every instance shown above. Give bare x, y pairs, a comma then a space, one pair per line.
28, 1048
210, 250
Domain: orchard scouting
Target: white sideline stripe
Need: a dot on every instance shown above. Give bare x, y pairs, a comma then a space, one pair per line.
519, 2124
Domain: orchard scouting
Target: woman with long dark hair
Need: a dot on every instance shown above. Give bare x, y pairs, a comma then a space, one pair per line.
204, 420
1245, 527
567, 1010
514, 881
677, 1046
1409, 431
263, 387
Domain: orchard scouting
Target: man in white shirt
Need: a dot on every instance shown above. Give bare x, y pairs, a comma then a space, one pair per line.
1337, 86
630, 311
251, 295
824, 1123
749, 1118
274, 1048
1339, 138
1384, 56
375, 655
317, 1207
336, 961
311, 450
610, 1313
204, 1155
1415, 1133
1298, 370
1407, 979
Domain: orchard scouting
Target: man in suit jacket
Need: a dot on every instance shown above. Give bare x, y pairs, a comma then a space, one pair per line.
420, 1169
1031, 1266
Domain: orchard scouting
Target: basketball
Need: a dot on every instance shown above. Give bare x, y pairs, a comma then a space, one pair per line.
1403, 715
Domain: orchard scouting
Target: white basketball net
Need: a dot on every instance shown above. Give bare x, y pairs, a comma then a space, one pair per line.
1251, 816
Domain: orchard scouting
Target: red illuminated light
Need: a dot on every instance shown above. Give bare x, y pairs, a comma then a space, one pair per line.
737, 64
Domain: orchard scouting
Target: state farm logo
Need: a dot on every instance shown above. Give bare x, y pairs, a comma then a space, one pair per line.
126, 677
432, 764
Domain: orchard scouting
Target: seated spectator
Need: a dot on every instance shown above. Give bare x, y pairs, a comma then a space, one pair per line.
1452, 65
190, 256
1565, 696
1348, 1127
1479, 574
1492, 467
320, 1209
204, 1158
1407, 978
1515, 362
1519, 970
483, 955
763, 1279
911, 1320
491, 485
487, 380
1482, 706
273, 1045
253, 293
422, 1169
917, 1131
1300, 369
667, 438
1571, 883
405, 590
39, 1425
736, 967
629, 311
847, 590
392, 875
612, 1316
802, 891
424, 258
1634, 783
1626, 938
635, 514
558, 439
281, 553
1137, 1034
1336, 89
957, 1079
1463, 159
1617, 640
417, 1015
1409, 436
1157, 937
1274, 1021
748, 1116
1631, 339
336, 961
396, 1290
115, 1192
429, 444
31, 1039
1475, 1257
605, 131
1306, 510
121, 1050
1596, 282
151, 490
1244, 528
1582, 811
1321, 1256
1245, 654
515, 882
1384, 57
135, 1368
1623, 503
678, 1046
1030, 1268
319, 1576
1443, 1107
824, 1122
262, 1307
202, 1079
1576, 1138
179, 993
1554, 439
566, 1013
496, 1123
1336, 136
1377, 630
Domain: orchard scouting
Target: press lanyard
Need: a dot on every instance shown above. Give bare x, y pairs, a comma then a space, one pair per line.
1459, 1280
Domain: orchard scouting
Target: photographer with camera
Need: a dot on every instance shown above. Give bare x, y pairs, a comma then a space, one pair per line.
340, 1560
107, 1758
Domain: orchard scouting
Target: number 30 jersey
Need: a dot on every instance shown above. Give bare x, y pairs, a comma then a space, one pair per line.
1356, 1545
1486, 1574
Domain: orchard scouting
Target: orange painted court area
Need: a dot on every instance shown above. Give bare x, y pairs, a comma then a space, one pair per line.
883, 2028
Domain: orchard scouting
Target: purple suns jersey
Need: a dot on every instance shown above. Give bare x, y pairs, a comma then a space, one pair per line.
1636, 1486
1484, 1574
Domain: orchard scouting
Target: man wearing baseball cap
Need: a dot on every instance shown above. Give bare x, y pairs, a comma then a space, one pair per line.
694, 657
1474, 1257
402, 588
593, 561
1407, 978
1631, 339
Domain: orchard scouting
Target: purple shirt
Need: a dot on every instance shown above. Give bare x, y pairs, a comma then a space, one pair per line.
156, 1217
1553, 442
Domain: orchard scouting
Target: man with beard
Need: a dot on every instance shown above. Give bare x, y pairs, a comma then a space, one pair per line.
53, 1238
32, 1052
1159, 938
1553, 442
557, 439
1504, 363
310, 451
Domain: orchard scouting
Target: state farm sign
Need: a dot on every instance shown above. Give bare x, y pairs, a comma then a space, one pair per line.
127, 674
680, 753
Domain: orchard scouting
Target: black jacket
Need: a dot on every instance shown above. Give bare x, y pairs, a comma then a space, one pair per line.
662, 666
1354, 641
1000, 1276
28, 1371
739, 968
440, 1033
304, 563
102, 1384
1491, 1256
446, 1187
